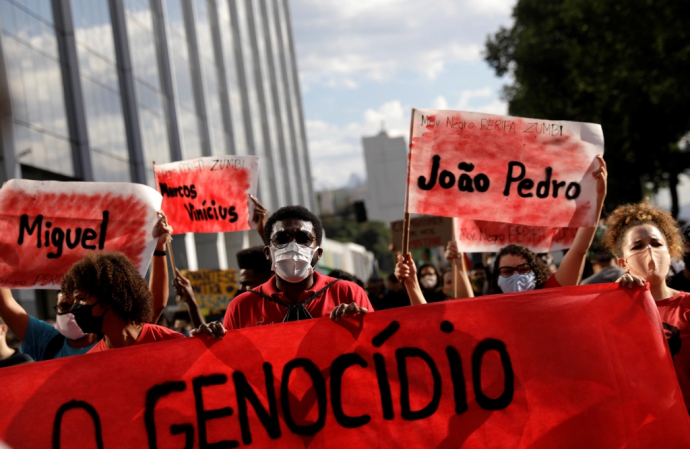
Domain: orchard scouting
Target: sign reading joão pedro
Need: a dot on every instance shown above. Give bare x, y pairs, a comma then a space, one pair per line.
516, 370
47, 226
209, 194
503, 169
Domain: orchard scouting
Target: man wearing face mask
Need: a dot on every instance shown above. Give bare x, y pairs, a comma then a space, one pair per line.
296, 292
681, 280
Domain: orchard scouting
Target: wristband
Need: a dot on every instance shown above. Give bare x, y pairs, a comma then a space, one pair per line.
160, 253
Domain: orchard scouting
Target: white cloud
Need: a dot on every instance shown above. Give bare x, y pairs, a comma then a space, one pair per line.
474, 101
342, 44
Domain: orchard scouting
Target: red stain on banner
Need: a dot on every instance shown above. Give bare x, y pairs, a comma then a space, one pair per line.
43, 232
527, 370
208, 194
503, 169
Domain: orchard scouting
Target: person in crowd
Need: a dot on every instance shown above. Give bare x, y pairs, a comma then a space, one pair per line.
255, 269
43, 341
479, 279
430, 281
605, 269
182, 323
296, 291
185, 294
9, 356
111, 298
395, 295
376, 289
644, 239
342, 274
681, 280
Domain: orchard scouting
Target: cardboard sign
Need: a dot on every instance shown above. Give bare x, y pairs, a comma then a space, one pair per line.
486, 236
213, 289
47, 226
209, 194
425, 232
580, 367
503, 169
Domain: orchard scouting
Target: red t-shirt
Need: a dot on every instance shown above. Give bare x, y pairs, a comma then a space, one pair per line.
675, 314
150, 333
250, 309
552, 282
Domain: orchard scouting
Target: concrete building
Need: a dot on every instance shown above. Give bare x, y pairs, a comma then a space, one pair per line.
96, 90
386, 162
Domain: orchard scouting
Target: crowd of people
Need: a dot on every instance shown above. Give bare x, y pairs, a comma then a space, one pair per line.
104, 302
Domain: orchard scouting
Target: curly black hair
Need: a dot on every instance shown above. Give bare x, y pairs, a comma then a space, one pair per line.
112, 278
541, 271
297, 212
253, 258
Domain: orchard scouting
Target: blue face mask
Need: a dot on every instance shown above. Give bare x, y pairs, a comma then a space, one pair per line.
517, 282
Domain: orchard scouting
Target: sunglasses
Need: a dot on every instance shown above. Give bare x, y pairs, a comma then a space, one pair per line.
282, 239
64, 307
507, 272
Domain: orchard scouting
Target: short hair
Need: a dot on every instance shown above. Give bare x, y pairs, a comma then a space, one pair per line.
541, 271
298, 212
628, 216
344, 275
112, 278
253, 258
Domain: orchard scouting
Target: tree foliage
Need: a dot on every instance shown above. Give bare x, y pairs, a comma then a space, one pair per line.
623, 64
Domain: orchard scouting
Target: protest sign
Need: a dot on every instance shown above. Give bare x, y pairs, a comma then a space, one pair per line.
209, 194
213, 289
425, 232
581, 367
47, 226
503, 169
475, 236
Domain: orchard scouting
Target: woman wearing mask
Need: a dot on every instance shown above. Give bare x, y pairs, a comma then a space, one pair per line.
111, 298
430, 282
644, 239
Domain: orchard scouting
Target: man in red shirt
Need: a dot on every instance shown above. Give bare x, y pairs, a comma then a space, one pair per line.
296, 292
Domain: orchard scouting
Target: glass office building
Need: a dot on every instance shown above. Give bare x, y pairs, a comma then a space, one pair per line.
96, 90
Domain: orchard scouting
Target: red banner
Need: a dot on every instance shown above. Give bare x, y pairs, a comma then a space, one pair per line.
209, 194
47, 226
503, 169
582, 367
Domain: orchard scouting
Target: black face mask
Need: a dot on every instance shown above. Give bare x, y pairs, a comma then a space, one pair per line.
88, 323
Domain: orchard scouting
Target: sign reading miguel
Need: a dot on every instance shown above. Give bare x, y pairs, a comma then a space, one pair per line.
503, 169
209, 194
47, 226
525, 370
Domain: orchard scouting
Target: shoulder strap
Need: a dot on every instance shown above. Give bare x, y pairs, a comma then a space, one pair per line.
54, 345
296, 312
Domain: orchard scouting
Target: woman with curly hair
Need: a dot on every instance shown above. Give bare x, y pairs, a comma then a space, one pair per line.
645, 239
111, 298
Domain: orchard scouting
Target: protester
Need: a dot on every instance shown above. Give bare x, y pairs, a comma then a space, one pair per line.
681, 280
479, 279
185, 294
376, 290
9, 356
296, 292
42, 341
605, 269
111, 298
395, 295
255, 268
182, 322
430, 282
645, 238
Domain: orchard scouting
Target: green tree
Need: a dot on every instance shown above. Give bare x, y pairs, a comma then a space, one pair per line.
623, 64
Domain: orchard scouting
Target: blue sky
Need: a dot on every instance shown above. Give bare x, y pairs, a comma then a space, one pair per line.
364, 63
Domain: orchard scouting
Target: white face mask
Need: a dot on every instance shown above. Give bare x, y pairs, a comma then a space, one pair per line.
293, 263
67, 326
518, 282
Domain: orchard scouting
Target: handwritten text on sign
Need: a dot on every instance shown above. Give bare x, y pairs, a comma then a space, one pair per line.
520, 371
209, 194
487, 236
47, 226
425, 232
503, 169
213, 289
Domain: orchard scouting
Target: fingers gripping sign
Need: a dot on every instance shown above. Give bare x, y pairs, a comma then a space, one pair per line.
345, 310
214, 329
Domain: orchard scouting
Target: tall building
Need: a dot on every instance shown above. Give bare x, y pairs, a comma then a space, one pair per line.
96, 90
386, 161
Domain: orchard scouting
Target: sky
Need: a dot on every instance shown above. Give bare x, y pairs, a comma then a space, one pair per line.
364, 64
